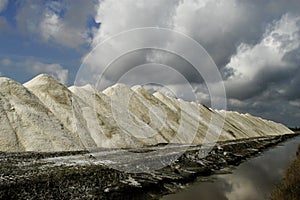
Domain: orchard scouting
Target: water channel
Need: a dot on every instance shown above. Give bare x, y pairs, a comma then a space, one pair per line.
252, 180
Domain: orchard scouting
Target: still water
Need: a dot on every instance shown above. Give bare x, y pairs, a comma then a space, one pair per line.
252, 180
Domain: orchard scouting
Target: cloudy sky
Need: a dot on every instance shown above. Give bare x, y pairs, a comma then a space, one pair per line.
255, 45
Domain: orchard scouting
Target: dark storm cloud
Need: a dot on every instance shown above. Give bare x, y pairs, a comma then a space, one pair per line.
137, 58
292, 84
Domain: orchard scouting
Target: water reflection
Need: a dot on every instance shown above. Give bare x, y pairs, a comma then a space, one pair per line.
252, 180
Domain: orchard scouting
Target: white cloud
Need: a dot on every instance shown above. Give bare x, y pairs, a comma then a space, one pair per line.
254, 66
56, 28
280, 39
295, 103
35, 67
63, 22
50, 25
201, 19
215, 24
237, 103
56, 70
218, 25
3, 5
116, 16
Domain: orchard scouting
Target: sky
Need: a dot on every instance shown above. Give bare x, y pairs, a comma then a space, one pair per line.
254, 44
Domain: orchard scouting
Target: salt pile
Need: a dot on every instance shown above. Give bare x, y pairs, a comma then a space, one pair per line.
44, 115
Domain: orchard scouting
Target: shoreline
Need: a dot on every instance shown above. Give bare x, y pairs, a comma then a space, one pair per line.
27, 175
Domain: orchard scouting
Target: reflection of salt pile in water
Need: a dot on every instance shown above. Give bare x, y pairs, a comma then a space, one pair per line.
44, 115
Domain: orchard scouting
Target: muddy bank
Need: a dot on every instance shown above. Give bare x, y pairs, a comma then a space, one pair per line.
40, 175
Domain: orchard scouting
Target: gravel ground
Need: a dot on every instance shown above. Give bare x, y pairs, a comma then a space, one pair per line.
83, 175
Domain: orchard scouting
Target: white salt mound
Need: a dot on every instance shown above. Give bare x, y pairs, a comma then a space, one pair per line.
44, 115
27, 124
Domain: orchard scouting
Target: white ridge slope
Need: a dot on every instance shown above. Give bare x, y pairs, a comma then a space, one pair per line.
44, 115
27, 125
100, 119
64, 105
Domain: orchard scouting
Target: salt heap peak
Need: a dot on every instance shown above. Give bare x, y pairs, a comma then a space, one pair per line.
66, 106
27, 124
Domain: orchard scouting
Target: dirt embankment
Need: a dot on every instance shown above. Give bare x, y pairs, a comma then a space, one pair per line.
27, 176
